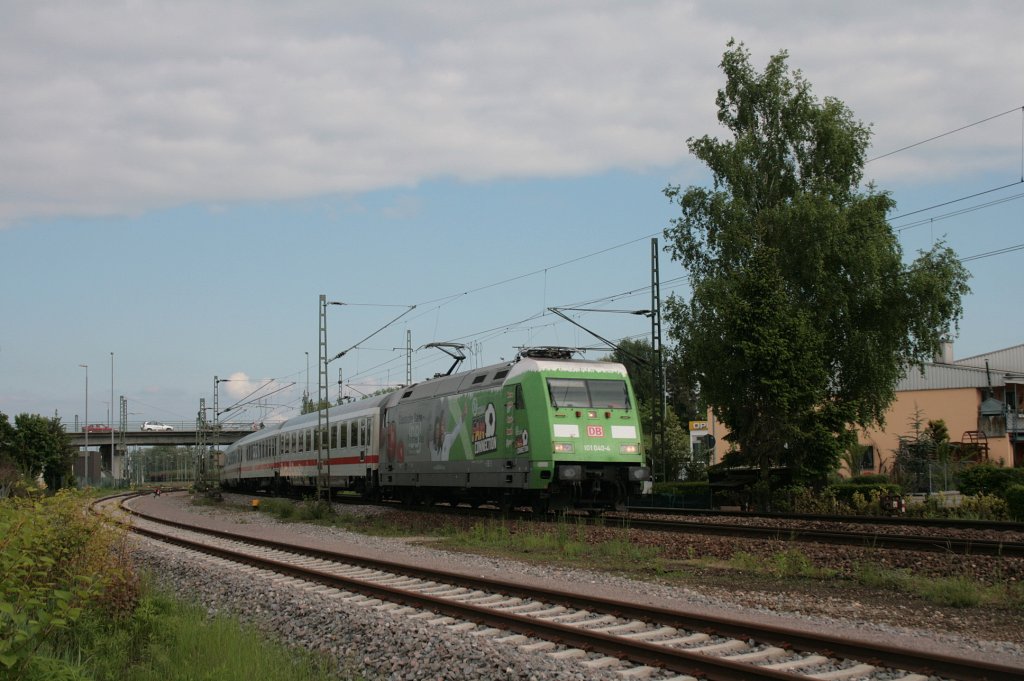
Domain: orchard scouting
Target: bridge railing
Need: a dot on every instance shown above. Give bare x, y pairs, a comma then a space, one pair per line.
136, 426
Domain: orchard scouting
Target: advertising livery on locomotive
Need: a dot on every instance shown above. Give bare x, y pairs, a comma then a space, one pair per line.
546, 431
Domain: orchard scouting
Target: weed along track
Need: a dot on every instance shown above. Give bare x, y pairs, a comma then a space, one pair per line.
597, 636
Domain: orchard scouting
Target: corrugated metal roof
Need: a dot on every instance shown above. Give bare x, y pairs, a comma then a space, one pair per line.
947, 376
1006, 365
1003, 361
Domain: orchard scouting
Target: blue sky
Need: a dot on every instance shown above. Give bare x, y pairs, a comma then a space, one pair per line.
181, 181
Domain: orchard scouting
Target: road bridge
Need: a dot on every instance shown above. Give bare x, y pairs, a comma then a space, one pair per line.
150, 438
106, 457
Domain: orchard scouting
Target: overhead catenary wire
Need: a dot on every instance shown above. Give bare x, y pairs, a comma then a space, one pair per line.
432, 306
951, 132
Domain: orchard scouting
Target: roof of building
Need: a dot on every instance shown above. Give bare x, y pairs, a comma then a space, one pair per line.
1003, 366
1007, 360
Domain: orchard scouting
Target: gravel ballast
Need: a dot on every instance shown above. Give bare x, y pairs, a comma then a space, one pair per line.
376, 644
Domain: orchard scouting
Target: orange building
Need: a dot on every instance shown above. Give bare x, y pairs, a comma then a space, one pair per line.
978, 398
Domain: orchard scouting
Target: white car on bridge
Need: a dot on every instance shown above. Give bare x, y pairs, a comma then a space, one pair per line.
156, 425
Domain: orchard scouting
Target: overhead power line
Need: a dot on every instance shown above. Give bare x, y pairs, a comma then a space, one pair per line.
946, 134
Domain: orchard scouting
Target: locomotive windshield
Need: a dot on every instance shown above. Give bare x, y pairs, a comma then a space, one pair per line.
588, 393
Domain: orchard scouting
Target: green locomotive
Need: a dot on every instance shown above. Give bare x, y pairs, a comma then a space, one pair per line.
546, 431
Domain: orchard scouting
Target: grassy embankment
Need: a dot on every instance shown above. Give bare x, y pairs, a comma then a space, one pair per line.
72, 608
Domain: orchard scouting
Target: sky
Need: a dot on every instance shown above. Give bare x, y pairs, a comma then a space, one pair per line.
181, 181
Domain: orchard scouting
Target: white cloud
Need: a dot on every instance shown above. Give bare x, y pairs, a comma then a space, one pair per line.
115, 108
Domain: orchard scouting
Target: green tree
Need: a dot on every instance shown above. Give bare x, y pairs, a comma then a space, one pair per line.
638, 358
802, 316
36, 446
9, 473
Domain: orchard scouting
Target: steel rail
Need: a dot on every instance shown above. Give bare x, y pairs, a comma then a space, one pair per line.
964, 669
976, 547
952, 523
903, 542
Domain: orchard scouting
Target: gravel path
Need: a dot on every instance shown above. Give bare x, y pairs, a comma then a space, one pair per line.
375, 644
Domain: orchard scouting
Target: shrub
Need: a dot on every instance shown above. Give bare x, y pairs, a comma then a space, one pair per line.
1015, 502
873, 479
989, 479
680, 488
982, 507
57, 565
845, 491
314, 509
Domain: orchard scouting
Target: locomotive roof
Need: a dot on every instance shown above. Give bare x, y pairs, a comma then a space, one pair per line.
497, 374
484, 377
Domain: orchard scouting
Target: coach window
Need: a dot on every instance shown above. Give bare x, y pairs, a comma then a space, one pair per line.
363, 430
343, 434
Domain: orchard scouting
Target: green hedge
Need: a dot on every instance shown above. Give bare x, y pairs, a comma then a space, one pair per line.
988, 479
1015, 502
872, 479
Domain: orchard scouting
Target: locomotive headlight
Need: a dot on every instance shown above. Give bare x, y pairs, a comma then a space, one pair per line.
563, 448
629, 449
639, 473
570, 472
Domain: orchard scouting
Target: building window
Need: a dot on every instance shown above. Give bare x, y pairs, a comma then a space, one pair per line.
867, 458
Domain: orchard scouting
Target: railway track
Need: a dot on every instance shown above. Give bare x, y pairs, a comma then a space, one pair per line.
657, 643
872, 539
960, 542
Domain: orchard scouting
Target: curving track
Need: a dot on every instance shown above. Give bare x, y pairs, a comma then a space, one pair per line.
656, 641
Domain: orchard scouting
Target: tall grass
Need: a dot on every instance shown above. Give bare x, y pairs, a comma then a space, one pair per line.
72, 608
955, 592
565, 541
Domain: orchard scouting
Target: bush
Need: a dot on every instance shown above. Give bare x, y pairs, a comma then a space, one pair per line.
680, 488
58, 567
1015, 502
978, 507
875, 480
845, 492
989, 479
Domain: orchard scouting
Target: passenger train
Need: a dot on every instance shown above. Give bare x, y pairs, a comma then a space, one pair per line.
546, 430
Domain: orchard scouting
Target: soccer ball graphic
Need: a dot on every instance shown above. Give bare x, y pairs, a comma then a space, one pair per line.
490, 421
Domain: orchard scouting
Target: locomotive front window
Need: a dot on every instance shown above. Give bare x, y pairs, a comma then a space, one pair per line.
608, 394
588, 394
568, 392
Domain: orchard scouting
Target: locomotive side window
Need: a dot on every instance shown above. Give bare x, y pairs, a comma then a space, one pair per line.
520, 400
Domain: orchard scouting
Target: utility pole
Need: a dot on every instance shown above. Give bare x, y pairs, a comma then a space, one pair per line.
121, 447
408, 358
201, 445
323, 488
658, 378
113, 452
88, 468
